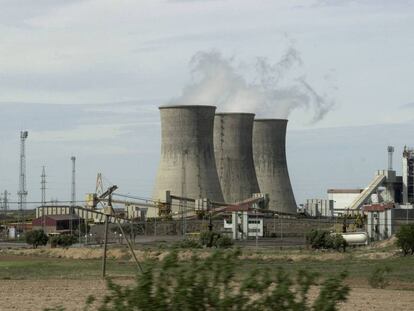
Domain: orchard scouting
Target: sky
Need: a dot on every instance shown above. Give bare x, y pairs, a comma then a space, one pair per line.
86, 77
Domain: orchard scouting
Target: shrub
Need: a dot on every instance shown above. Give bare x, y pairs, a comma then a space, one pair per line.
214, 239
63, 240
321, 239
36, 238
224, 242
188, 243
378, 278
337, 242
210, 284
405, 239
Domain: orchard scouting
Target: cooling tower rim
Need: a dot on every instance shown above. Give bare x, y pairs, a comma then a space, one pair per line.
185, 106
270, 120
235, 113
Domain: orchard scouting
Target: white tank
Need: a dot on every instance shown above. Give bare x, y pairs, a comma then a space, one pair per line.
355, 238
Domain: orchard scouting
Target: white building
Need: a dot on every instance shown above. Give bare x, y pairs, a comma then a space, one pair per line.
319, 207
342, 199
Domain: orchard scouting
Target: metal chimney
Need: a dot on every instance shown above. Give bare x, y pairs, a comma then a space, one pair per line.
269, 154
390, 154
234, 155
187, 166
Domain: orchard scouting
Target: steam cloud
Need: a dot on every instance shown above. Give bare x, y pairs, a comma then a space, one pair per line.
274, 91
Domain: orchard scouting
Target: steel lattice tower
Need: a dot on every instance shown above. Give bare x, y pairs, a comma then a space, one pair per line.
22, 193
73, 192
43, 186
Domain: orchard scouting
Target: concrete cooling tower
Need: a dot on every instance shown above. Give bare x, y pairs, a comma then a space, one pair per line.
187, 167
269, 154
234, 156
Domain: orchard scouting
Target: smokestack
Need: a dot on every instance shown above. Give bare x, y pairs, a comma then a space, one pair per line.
269, 154
234, 155
187, 167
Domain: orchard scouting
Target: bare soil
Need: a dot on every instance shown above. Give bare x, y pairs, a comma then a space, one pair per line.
36, 295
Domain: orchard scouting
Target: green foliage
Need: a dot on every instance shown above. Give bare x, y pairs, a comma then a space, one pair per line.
215, 239
187, 243
405, 239
210, 284
336, 242
63, 240
378, 277
321, 239
36, 238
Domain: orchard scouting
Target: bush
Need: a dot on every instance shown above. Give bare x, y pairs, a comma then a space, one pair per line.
63, 240
214, 239
36, 238
210, 284
188, 243
224, 242
337, 242
378, 278
405, 239
321, 239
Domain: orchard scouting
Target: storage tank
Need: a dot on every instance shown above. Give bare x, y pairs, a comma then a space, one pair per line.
234, 155
269, 155
187, 167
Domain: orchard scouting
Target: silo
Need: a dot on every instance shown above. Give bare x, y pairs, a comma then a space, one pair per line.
269, 154
234, 156
187, 166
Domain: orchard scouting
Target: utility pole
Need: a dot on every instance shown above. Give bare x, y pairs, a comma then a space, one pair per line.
108, 211
43, 195
22, 193
73, 192
5, 201
73, 195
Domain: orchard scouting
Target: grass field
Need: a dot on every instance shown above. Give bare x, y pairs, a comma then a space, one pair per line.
38, 271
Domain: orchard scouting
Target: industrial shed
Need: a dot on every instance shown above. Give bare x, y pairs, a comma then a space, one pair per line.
56, 223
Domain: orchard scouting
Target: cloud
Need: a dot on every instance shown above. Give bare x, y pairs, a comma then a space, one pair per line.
271, 90
407, 106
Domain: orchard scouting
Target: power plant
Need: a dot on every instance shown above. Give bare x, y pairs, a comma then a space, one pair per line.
247, 159
269, 154
235, 167
234, 155
187, 167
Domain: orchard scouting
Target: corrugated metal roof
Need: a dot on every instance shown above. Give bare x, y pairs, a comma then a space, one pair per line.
377, 207
345, 190
63, 217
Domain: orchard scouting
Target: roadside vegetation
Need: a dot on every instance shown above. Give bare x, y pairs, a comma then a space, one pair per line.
322, 239
211, 284
36, 238
405, 239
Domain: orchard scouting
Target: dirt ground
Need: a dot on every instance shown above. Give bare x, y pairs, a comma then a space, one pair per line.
71, 294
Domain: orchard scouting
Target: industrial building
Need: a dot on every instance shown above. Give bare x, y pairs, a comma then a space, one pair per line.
224, 158
57, 223
319, 208
342, 199
408, 176
384, 220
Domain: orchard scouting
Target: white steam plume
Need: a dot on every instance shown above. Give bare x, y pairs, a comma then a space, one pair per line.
274, 92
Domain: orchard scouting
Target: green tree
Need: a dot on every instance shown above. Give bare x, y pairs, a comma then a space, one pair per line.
405, 239
36, 238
